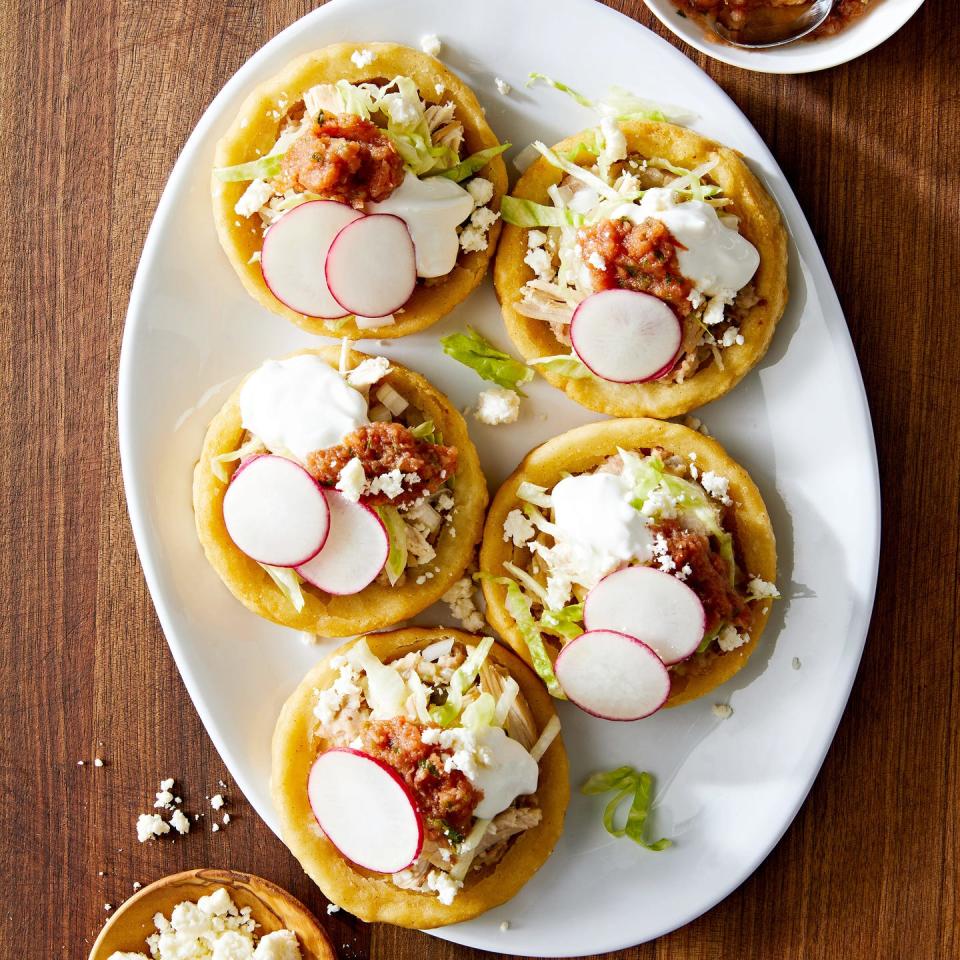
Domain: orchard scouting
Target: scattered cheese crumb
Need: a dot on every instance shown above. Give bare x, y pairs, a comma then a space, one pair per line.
518, 527
253, 198
444, 885
758, 589
722, 711
352, 479
108, 907
216, 801
215, 828
80, 763
729, 639
497, 405
179, 822
716, 486
226, 819
504, 926
332, 908
368, 372
481, 190
539, 261
151, 825
462, 606
503, 88
390, 483
362, 58
430, 44
595, 260
97, 762
137, 885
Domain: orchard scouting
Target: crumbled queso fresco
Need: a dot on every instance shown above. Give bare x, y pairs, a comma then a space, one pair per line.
460, 598
213, 928
497, 405
431, 45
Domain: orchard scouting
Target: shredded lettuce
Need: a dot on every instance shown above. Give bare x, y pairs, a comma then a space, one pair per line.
564, 365
289, 584
252, 446
397, 535
421, 699
562, 87
505, 704
461, 681
481, 713
621, 104
526, 213
580, 173
567, 622
425, 431
476, 352
690, 180
710, 637
386, 691
263, 169
532, 585
535, 494
547, 736
468, 850
519, 607
472, 164
626, 782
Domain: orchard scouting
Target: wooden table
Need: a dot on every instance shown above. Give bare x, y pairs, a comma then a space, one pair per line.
97, 100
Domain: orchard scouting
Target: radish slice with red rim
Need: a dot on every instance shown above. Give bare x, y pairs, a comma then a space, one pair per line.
294, 253
625, 336
612, 675
371, 268
647, 603
356, 550
365, 809
275, 512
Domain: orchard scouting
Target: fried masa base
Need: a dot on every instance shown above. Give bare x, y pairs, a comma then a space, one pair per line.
378, 605
368, 895
759, 222
255, 128
584, 448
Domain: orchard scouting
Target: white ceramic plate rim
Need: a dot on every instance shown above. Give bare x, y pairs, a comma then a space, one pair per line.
860, 37
134, 482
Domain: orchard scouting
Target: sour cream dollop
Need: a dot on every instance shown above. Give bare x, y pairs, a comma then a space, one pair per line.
432, 209
509, 773
501, 767
718, 261
593, 511
299, 405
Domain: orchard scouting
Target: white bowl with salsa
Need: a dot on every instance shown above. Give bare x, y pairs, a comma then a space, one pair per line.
853, 36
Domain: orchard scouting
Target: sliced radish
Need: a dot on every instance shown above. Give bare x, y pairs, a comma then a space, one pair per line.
275, 512
612, 675
355, 552
625, 336
650, 604
371, 267
365, 809
294, 251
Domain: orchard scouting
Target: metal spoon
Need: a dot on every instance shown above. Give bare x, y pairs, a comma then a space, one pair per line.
775, 26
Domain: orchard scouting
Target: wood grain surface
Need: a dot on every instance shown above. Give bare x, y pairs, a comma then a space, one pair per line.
97, 99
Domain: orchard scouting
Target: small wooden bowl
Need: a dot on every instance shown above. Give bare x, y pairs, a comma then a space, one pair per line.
271, 907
